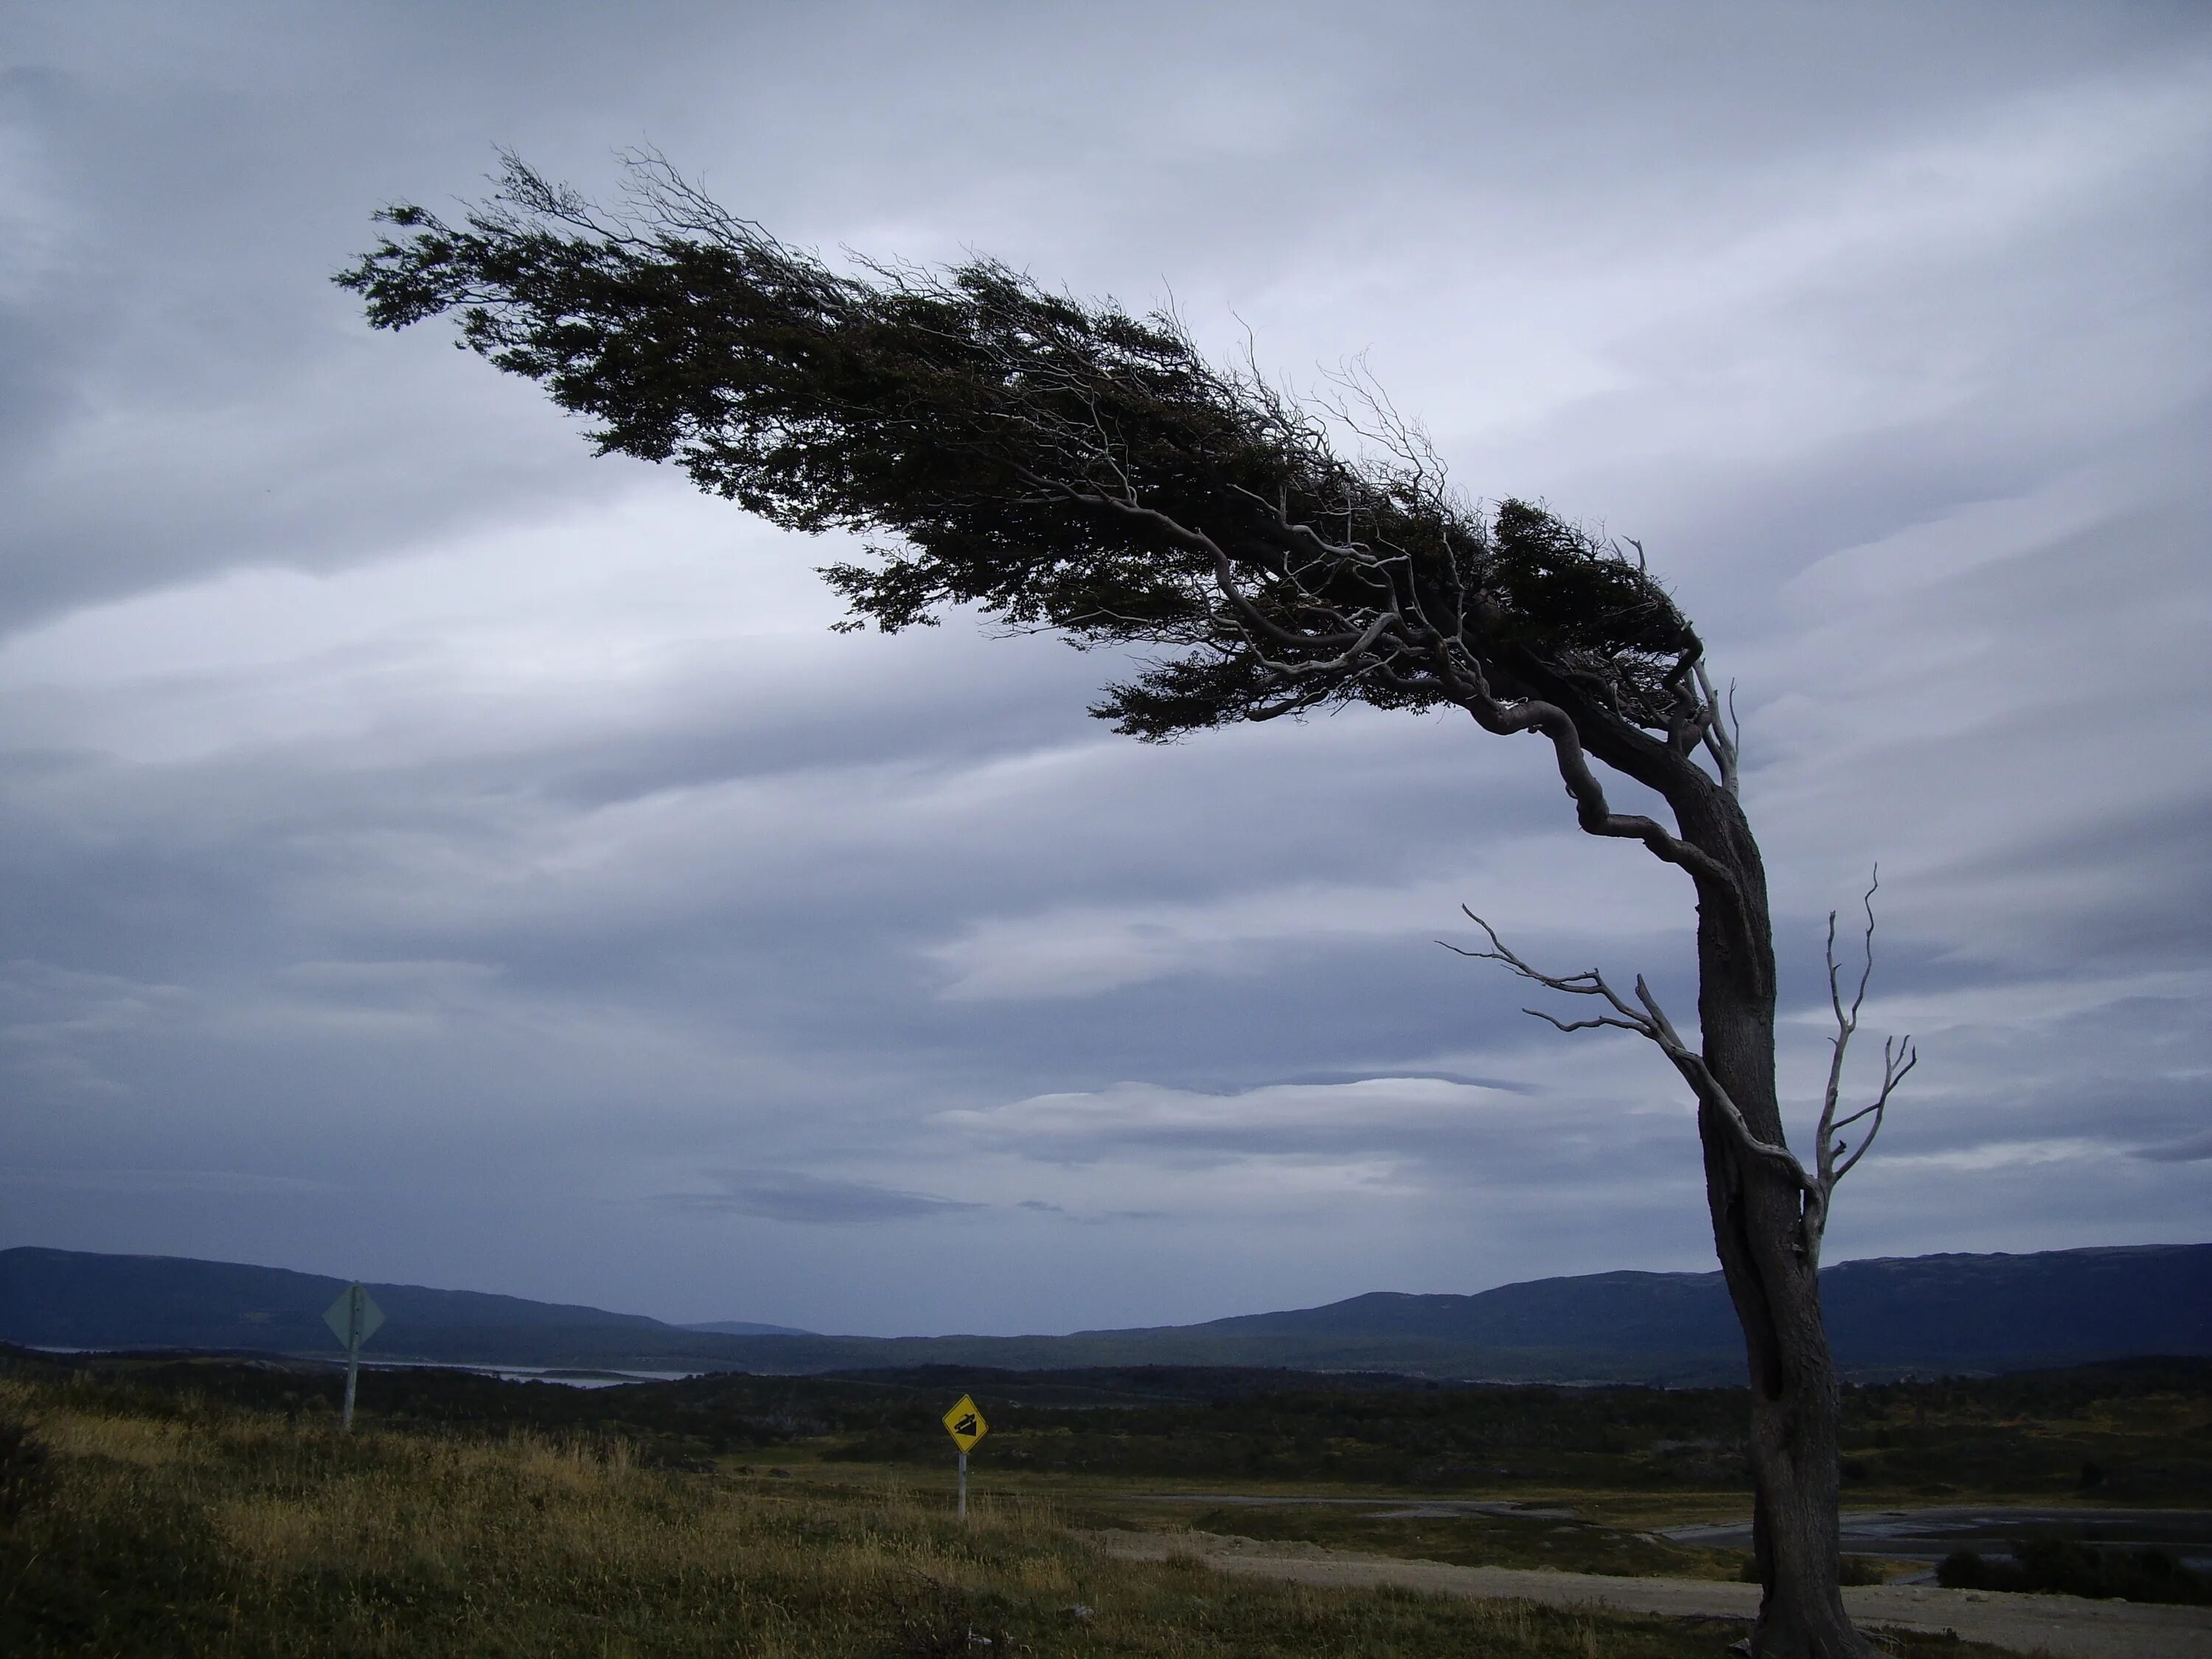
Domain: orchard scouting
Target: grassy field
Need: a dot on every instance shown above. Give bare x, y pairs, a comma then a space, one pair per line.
144, 1517
2136, 1433
2129, 1433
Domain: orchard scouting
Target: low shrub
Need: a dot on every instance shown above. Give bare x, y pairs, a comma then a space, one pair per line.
26, 1469
2052, 1566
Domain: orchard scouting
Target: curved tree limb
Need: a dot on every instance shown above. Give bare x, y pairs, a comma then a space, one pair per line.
1458, 669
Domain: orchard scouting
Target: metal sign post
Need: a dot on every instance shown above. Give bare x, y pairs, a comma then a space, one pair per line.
353, 1319
965, 1423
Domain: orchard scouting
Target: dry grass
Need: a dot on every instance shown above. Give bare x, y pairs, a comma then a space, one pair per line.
222, 1533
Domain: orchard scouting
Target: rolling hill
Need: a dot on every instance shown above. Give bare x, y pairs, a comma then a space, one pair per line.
1932, 1313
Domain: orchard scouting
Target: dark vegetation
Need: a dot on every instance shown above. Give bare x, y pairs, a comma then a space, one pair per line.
26, 1469
205, 1505
2131, 1431
2051, 1564
2134, 1432
153, 1512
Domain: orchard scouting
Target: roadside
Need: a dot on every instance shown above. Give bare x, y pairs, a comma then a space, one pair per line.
2062, 1626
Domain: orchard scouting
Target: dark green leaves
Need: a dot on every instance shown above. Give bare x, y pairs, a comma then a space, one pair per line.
1057, 464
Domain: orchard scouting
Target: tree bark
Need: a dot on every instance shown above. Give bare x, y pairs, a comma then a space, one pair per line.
1757, 1210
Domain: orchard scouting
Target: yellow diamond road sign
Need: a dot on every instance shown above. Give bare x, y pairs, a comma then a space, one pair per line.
965, 1424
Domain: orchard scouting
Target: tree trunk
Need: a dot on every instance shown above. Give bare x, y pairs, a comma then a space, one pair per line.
1756, 1214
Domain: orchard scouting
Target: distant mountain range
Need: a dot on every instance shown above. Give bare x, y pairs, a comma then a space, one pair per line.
1885, 1317
744, 1327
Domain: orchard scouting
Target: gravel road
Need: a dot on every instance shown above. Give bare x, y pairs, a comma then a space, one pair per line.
2063, 1627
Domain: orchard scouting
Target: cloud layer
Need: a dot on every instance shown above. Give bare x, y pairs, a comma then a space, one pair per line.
435, 854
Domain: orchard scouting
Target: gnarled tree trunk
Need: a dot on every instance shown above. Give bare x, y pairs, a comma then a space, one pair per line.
1772, 1271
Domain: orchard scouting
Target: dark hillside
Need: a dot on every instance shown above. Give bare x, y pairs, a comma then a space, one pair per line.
2004, 1312
1977, 1312
1886, 1317
1615, 1312
73, 1298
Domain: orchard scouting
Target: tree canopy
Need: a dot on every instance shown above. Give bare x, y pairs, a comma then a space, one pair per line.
1059, 465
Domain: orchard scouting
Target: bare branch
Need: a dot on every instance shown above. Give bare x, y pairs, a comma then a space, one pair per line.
1835, 1155
1648, 1020
1835, 1158
1899, 1057
1720, 735
1554, 1021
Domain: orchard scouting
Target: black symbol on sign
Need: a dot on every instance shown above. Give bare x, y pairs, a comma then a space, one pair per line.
966, 1425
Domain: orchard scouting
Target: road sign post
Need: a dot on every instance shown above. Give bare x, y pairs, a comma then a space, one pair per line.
353, 1319
965, 1423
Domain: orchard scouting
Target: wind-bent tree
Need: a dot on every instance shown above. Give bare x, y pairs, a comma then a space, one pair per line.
1071, 466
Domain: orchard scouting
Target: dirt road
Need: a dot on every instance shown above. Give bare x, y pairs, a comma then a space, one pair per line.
2061, 1626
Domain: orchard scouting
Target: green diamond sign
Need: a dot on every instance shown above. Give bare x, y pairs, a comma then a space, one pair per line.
353, 1319
355, 1316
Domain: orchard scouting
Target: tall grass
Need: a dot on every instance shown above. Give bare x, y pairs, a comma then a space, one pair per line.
213, 1531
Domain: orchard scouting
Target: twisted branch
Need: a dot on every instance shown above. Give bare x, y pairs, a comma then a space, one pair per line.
1834, 1155
1648, 1020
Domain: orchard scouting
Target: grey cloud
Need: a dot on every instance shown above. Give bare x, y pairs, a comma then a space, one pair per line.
63, 1029
2194, 1150
403, 803
1423, 1124
790, 1195
1508, 1085
237, 1182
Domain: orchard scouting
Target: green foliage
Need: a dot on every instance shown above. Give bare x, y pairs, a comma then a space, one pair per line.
2143, 1427
1433, 1436
1055, 463
2148, 1424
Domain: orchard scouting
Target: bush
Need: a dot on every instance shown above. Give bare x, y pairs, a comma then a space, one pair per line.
1966, 1570
2051, 1565
25, 1472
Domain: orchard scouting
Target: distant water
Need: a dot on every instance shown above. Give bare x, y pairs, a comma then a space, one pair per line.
567, 1377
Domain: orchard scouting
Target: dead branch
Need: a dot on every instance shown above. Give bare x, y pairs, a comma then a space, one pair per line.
1835, 1156
1648, 1020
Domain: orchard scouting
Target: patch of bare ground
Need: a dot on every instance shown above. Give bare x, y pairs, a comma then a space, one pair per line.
2064, 1627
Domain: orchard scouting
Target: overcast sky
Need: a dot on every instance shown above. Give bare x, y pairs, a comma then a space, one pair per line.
431, 854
